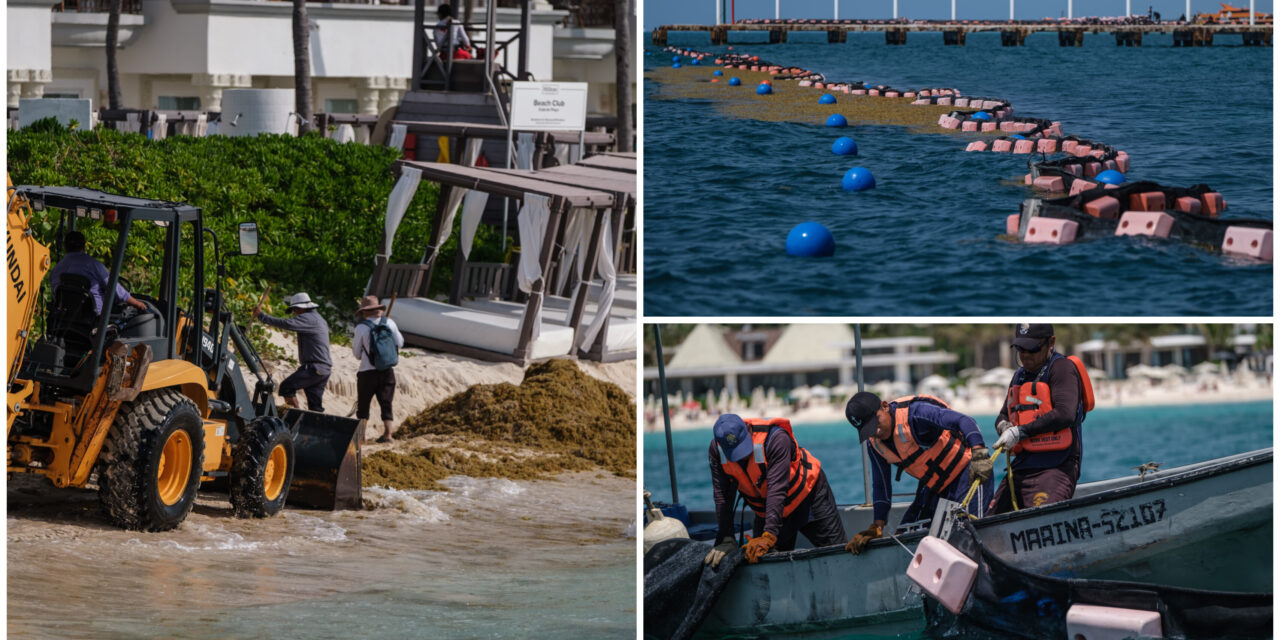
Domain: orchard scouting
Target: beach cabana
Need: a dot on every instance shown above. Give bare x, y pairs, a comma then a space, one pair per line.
504, 311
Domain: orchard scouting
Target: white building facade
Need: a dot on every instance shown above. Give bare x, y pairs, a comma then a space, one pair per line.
182, 54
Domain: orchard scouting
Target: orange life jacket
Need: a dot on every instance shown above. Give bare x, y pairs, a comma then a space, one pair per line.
1030, 400
937, 465
752, 481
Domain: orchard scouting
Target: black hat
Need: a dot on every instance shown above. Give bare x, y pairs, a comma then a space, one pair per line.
861, 413
1031, 336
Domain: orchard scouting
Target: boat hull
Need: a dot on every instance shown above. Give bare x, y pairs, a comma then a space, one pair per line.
1171, 528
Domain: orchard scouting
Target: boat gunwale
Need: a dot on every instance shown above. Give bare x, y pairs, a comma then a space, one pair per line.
1241, 461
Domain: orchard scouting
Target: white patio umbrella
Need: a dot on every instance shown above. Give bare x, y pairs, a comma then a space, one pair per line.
998, 376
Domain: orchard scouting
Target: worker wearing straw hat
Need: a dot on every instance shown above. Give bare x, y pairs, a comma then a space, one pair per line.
376, 376
314, 363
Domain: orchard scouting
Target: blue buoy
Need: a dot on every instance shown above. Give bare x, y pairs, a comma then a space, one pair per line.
695, 61
717, 72
648, 53
1017, 137
981, 115
837, 120
844, 146
810, 240
733, 82
764, 90
675, 58
858, 179
1110, 176
675, 65
827, 99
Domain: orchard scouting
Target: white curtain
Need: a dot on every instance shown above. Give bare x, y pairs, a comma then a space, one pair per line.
604, 304
532, 221
524, 151
343, 134
398, 132
472, 210
576, 235
455, 198
160, 128
397, 204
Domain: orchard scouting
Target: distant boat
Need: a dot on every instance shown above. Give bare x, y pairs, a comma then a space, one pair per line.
1152, 530
1232, 15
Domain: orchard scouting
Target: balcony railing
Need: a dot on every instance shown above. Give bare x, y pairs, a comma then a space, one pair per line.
98, 6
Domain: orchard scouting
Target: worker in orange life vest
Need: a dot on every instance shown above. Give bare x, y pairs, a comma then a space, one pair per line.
778, 479
923, 437
1040, 421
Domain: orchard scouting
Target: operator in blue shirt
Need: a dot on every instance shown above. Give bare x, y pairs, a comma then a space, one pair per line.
922, 436
78, 263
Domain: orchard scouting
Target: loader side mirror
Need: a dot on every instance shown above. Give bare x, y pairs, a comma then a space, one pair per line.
249, 238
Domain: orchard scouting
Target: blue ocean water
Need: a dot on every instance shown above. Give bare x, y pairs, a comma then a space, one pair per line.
721, 192
1115, 440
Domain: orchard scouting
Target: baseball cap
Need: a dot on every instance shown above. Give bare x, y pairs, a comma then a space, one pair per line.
733, 437
861, 413
1031, 336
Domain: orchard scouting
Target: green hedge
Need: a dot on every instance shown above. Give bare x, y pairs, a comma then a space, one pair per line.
319, 206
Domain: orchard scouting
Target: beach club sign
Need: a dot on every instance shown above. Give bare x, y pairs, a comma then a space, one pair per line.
548, 106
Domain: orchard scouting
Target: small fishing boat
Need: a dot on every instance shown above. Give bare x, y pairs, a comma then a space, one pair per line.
1152, 529
1008, 602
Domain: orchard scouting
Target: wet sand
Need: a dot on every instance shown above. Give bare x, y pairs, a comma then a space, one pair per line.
489, 558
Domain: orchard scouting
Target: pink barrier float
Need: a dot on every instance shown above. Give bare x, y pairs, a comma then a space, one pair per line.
988, 127
1002, 146
970, 126
1092, 622
1046, 145
1051, 184
1146, 201
1105, 207
1024, 146
1081, 185
1011, 224
1213, 203
976, 145
1041, 230
943, 572
1187, 204
1156, 224
1249, 242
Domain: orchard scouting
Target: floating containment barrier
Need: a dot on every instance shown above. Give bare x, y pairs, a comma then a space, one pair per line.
827, 98
844, 146
810, 240
837, 120
858, 179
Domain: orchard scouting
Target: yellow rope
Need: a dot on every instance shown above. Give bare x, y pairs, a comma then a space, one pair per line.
973, 488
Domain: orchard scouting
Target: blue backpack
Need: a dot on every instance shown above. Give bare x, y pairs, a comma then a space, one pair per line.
383, 352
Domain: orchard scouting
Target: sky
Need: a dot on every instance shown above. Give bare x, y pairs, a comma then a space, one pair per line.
660, 12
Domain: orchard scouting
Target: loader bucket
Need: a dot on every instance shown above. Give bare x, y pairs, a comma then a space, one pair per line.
326, 469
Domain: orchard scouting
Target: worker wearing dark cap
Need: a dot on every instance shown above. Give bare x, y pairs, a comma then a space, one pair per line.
1040, 422
922, 436
782, 483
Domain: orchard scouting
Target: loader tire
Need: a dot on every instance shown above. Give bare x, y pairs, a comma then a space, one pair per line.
151, 462
261, 468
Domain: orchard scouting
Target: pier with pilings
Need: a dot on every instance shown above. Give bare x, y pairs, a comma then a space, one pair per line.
1012, 34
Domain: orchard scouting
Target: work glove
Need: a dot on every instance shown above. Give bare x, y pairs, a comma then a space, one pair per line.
859, 542
1010, 437
718, 552
1003, 426
980, 465
758, 546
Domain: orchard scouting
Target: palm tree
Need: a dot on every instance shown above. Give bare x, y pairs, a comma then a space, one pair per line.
622, 44
113, 70
301, 65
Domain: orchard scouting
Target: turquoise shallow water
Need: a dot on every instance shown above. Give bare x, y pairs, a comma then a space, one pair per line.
1115, 440
721, 193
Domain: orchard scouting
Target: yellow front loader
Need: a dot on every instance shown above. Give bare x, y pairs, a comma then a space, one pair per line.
151, 403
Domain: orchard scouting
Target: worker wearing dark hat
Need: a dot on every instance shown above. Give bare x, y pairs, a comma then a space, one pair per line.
922, 436
1040, 422
782, 483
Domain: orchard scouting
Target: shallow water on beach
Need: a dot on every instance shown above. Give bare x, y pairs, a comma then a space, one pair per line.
491, 558
721, 193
